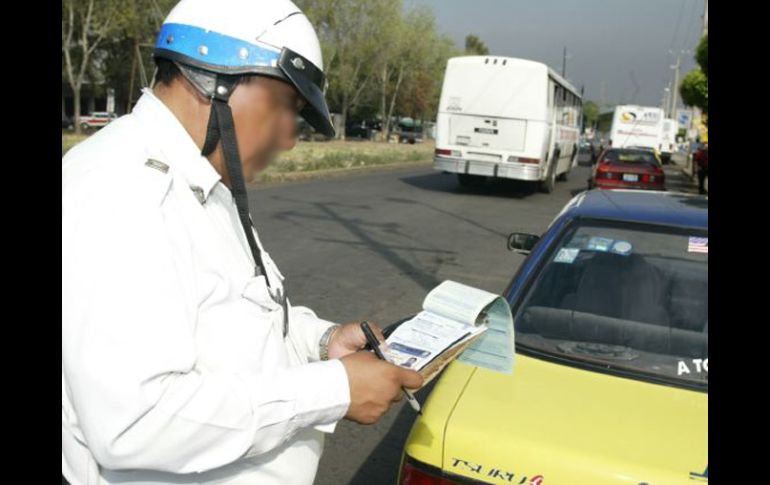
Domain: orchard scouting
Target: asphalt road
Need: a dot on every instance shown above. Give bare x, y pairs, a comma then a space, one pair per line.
370, 246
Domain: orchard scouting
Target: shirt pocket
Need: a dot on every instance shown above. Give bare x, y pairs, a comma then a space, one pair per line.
256, 291
267, 322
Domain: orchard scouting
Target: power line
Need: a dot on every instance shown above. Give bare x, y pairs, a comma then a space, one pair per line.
693, 15
678, 23
674, 85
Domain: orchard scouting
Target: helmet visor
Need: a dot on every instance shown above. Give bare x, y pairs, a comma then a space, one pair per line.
309, 82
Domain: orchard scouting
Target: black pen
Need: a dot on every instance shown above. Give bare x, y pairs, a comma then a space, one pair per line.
375, 345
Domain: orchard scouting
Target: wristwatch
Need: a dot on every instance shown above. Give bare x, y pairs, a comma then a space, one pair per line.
324, 342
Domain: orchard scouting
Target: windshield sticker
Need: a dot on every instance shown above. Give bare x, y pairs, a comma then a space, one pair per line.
579, 241
698, 245
566, 255
621, 247
599, 244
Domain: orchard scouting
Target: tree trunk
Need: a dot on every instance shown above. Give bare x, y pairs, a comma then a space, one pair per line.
344, 118
131, 80
393, 99
76, 108
384, 105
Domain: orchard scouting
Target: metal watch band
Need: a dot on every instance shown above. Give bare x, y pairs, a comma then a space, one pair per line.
324, 342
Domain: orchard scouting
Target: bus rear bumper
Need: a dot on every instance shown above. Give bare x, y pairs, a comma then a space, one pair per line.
517, 171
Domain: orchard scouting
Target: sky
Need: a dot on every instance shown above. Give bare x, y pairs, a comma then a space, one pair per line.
617, 49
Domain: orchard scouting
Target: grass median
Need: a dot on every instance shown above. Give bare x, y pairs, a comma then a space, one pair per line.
69, 140
311, 159
317, 159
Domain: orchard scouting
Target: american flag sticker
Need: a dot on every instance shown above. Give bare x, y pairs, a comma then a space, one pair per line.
698, 245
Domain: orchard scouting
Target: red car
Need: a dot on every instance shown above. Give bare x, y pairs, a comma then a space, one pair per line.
627, 168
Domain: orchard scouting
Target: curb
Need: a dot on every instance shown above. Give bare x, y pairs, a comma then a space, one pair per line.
288, 177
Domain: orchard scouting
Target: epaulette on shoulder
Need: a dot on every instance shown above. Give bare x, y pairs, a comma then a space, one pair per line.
159, 179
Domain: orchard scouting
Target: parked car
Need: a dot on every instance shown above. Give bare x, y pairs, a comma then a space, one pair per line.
97, 119
305, 132
610, 377
628, 168
357, 130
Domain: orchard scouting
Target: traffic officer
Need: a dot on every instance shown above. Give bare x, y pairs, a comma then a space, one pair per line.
183, 360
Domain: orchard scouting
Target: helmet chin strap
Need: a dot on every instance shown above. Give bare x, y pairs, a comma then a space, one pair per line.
222, 128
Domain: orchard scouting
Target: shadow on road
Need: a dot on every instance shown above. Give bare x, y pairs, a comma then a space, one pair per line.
467, 220
361, 230
678, 181
444, 182
578, 190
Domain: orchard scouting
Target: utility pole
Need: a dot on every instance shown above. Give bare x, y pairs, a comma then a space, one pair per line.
564, 63
675, 87
706, 18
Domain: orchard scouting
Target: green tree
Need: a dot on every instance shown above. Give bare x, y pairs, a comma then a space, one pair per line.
694, 90
85, 25
390, 63
421, 92
351, 33
590, 112
474, 46
128, 64
702, 55
411, 59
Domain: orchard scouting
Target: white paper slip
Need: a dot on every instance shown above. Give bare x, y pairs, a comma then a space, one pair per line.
452, 314
496, 349
417, 342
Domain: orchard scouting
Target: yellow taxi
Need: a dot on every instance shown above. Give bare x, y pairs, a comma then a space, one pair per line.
610, 377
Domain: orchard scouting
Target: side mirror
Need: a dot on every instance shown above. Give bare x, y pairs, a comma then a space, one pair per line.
522, 243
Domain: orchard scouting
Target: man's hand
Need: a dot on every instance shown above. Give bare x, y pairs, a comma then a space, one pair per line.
350, 338
375, 385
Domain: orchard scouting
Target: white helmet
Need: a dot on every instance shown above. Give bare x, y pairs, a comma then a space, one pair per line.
213, 40
267, 37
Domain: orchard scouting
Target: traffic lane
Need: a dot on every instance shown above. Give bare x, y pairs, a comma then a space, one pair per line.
370, 246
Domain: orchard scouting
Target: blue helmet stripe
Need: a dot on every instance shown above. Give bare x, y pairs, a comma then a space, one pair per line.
214, 48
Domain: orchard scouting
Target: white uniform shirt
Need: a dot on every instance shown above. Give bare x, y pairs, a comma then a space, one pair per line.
174, 364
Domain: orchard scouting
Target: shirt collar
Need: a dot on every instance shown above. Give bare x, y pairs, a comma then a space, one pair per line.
179, 150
